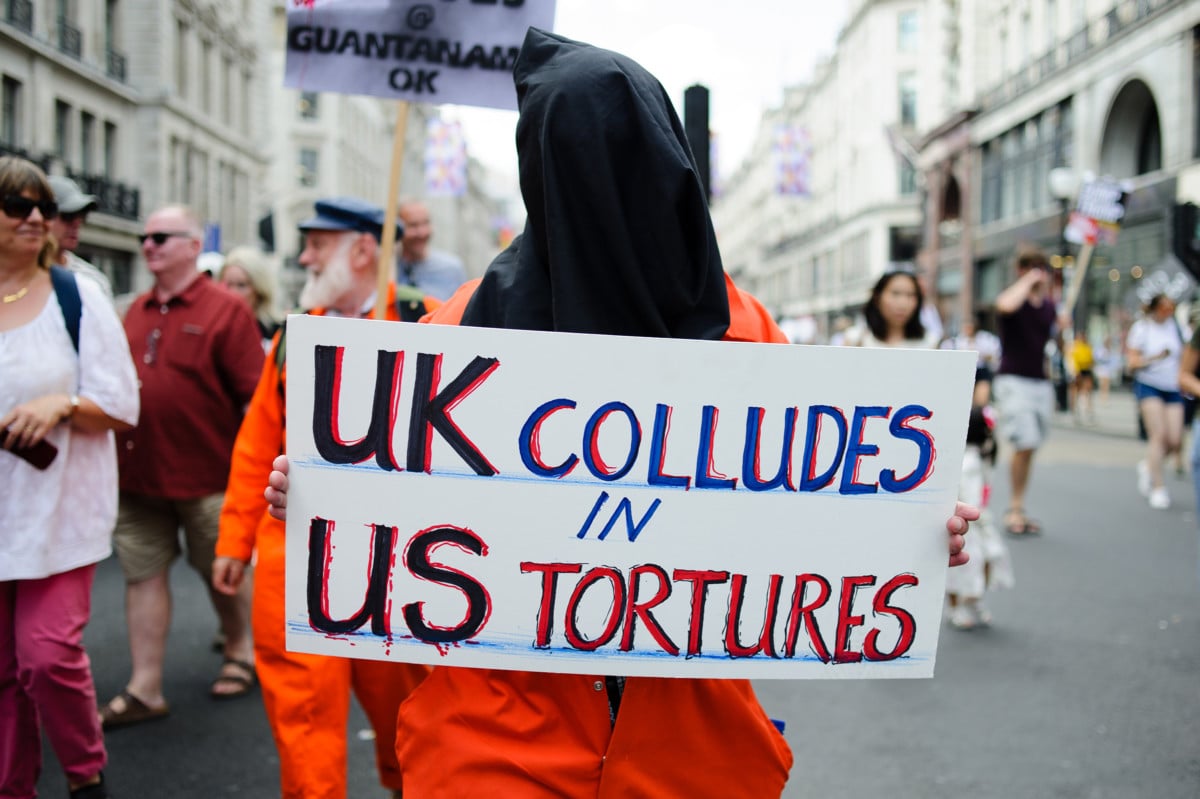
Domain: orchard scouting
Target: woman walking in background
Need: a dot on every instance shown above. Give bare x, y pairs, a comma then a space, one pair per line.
1153, 349
67, 381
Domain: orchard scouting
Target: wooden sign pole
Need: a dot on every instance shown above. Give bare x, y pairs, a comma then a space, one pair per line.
387, 262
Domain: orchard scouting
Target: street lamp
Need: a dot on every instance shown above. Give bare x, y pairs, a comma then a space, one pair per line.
1063, 182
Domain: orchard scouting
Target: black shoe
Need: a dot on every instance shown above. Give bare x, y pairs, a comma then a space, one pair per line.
96, 790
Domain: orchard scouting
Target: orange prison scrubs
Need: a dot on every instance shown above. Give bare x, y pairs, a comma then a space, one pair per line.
307, 697
524, 735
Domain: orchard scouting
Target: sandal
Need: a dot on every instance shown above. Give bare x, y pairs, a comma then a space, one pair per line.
1016, 523
97, 790
132, 711
242, 677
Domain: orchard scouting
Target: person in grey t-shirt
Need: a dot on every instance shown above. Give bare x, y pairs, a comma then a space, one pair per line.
434, 272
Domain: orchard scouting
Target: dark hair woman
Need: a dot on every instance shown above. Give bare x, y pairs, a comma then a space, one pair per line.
893, 313
60, 396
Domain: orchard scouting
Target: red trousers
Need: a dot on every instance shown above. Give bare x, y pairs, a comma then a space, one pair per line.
45, 674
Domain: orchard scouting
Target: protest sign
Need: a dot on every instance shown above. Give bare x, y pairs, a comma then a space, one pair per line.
1098, 213
446, 51
569, 503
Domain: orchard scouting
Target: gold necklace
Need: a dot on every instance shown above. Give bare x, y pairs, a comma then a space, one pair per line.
14, 297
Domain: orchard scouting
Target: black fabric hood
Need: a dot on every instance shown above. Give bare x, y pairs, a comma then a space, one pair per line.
618, 239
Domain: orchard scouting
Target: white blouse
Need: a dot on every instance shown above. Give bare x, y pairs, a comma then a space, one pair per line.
62, 518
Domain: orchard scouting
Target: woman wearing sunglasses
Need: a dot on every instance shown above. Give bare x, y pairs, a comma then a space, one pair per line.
58, 491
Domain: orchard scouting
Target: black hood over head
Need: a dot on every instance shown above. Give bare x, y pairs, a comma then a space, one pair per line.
618, 239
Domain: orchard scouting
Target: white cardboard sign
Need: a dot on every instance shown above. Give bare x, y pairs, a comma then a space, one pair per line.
439, 51
608, 505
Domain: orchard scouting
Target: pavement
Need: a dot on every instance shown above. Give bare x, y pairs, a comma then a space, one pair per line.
1112, 415
1084, 686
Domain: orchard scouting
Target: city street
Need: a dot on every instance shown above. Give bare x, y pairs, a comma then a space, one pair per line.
1087, 685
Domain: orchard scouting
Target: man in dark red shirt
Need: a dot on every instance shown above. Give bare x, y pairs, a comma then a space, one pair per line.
198, 355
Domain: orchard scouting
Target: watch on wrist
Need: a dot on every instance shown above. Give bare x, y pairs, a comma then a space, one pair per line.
74, 406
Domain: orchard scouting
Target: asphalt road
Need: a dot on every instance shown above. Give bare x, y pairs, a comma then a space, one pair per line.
1087, 686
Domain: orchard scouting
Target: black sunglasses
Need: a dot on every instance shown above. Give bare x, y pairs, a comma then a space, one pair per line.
17, 207
160, 239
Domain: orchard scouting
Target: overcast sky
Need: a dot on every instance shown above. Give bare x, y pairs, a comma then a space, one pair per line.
744, 52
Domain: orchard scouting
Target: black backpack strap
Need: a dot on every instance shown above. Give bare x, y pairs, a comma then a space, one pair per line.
66, 290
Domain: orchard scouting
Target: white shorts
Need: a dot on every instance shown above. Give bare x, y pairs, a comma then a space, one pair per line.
1024, 407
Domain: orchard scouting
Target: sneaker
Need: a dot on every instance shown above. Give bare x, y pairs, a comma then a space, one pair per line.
982, 614
1159, 499
962, 617
1143, 478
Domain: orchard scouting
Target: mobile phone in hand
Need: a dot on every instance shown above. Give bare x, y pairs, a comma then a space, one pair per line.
39, 455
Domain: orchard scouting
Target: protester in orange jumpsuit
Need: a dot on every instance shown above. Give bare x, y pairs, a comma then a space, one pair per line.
617, 241
307, 696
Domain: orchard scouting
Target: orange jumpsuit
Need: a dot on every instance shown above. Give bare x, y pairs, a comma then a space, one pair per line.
479, 732
307, 697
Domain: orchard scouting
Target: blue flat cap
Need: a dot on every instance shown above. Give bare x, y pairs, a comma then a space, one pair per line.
348, 213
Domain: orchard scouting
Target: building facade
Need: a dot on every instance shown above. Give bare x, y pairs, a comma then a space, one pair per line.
67, 102
816, 253
151, 102
1005, 93
1087, 88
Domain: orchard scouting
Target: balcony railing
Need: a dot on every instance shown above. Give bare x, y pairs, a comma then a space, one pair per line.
19, 14
113, 196
70, 40
116, 65
1121, 18
43, 160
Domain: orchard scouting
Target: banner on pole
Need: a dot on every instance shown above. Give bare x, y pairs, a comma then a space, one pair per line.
569, 503
426, 52
445, 158
792, 149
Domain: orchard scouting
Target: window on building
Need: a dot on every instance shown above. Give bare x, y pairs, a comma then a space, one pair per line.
62, 129
1064, 136
308, 105
10, 112
990, 192
907, 83
110, 149
1196, 91
182, 38
87, 142
226, 93
1051, 25
308, 167
1010, 148
206, 75
200, 176
908, 32
247, 85
174, 168
110, 24
1026, 38
908, 178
